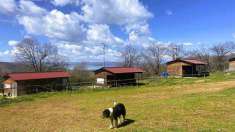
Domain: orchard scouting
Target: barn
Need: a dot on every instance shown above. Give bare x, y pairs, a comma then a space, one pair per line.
117, 76
16, 84
231, 64
187, 68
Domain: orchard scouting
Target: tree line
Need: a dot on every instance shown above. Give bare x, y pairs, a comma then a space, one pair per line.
153, 58
41, 57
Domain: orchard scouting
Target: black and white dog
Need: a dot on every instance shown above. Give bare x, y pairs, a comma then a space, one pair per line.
115, 113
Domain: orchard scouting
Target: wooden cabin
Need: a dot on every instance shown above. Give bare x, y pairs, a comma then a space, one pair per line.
231, 64
17, 84
117, 76
187, 68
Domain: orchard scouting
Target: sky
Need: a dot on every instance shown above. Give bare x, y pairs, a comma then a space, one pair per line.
80, 28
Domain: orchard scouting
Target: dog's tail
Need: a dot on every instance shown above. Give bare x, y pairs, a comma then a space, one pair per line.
124, 109
114, 103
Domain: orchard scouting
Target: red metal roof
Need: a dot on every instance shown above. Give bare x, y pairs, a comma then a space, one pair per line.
191, 61
34, 76
118, 70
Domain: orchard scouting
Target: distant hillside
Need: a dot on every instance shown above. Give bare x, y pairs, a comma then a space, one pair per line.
94, 65
7, 67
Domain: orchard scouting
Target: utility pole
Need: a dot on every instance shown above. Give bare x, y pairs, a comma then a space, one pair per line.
104, 53
175, 52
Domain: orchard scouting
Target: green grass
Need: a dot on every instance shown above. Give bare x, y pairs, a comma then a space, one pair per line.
151, 82
214, 77
188, 104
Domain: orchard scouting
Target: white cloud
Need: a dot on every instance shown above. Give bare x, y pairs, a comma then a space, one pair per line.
141, 28
30, 8
101, 33
139, 34
74, 27
187, 43
7, 6
12, 42
63, 26
33, 25
119, 12
140, 40
233, 35
129, 14
55, 24
86, 52
169, 12
77, 34
3, 53
69, 49
65, 2
5, 56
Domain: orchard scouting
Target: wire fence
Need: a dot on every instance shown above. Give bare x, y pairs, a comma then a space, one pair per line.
86, 85
130, 82
107, 83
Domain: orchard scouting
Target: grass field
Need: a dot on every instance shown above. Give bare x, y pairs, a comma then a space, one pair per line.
189, 104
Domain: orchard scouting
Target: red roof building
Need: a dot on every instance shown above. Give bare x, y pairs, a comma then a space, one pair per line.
16, 84
115, 76
34, 76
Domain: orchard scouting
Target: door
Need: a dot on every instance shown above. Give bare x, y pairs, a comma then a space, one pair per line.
187, 71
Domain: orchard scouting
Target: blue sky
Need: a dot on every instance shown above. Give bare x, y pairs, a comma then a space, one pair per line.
78, 27
194, 21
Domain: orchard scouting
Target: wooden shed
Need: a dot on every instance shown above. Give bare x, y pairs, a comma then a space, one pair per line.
231, 64
187, 68
116, 76
17, 84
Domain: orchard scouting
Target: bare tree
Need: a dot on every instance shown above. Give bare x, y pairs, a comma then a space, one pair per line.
202, 53
80, 73
39, 57
219, 52
175, 51
154, 57
130, 56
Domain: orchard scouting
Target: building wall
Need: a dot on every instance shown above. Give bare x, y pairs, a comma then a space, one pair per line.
232, 66
101, 77
17, 88
10, 88
21, 88
102, 74
121, 79
175, 69
116, 79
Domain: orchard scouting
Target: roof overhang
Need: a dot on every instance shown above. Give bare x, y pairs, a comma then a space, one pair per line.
191, 62
119, 70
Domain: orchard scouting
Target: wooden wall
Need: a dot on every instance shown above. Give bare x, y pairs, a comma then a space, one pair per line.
175, 69
44, 85
103, 74
116, 79
232, 66
10, 88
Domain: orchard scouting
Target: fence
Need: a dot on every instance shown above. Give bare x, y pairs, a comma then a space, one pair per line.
130, 82
155, 80
107, 84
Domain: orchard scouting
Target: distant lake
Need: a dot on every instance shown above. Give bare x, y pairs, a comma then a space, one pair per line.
94, 65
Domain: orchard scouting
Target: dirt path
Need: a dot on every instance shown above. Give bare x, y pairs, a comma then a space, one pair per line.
179, 90
210, 87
